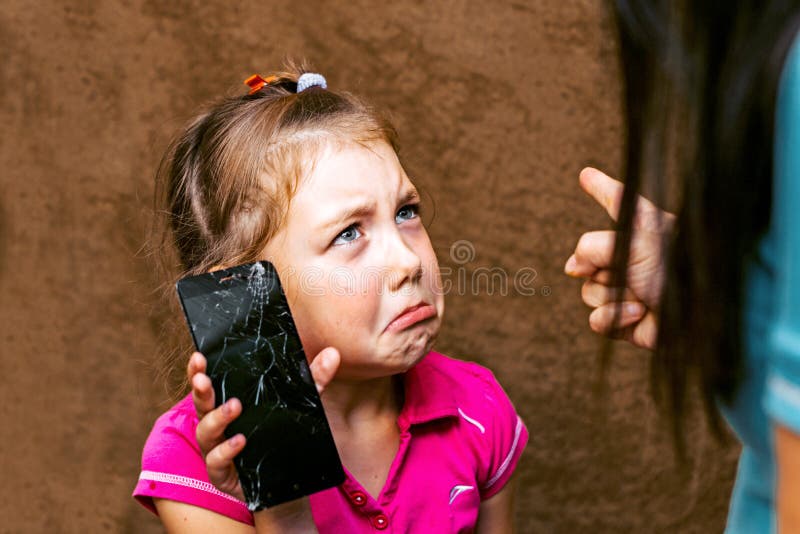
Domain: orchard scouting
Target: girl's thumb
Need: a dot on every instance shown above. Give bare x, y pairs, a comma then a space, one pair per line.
324, 367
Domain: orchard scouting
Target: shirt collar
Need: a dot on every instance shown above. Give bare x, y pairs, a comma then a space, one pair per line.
428, 394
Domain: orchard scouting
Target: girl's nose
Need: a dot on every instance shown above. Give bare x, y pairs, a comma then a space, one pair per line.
403, 263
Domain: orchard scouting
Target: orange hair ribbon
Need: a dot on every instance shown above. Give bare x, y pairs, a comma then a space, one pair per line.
256, 82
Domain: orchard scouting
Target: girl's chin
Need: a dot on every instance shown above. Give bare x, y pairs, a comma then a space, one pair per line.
390, 353
417, 342
414, 353
384, 364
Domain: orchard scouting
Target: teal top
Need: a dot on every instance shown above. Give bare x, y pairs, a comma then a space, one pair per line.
771, 392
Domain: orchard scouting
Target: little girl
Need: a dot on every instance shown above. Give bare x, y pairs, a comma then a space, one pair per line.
309, 179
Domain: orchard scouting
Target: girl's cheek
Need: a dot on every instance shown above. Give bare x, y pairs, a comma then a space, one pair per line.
340, 298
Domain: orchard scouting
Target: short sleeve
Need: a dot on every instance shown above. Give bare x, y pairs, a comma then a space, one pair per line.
506, 436
782, 401
173, 468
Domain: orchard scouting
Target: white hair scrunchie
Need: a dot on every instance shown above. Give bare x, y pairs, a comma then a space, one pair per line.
311, 79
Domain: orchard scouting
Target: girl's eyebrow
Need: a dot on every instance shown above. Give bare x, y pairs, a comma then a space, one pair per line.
360, 210
363, 210
411, 195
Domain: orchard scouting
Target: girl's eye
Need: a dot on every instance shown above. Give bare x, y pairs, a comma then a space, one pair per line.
348, 235
409, 211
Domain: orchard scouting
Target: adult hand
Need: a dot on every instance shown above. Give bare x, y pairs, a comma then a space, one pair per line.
645, 273
219, 452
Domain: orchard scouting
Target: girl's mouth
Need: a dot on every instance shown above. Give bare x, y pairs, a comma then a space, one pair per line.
411, 316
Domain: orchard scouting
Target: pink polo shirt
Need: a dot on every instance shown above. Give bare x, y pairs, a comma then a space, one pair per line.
460, 440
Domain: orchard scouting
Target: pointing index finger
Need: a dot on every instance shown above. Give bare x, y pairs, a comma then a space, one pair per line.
604, 189
608, 193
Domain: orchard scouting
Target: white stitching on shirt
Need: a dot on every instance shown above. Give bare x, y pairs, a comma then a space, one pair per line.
473, 421
187, 482
458, 490
510, 455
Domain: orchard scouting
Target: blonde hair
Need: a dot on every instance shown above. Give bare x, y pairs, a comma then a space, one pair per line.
224, 185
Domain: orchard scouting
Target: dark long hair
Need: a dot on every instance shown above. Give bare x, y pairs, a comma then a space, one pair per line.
700, 84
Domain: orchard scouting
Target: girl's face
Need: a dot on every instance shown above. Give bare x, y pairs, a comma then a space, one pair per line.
357, 265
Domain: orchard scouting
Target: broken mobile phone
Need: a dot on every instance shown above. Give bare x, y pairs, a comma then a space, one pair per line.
240, 321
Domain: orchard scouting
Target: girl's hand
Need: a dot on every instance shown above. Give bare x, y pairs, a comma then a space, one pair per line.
645, 278
218, 451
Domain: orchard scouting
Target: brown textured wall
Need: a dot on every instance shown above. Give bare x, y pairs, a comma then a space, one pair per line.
499, 105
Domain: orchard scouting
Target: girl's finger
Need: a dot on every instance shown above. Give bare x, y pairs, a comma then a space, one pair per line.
595, 294
602, 319
219, 465
211, 428
219, 459
197, 364
202, 394
324, 367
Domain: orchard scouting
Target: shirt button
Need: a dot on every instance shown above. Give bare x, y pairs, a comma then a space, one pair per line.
359, 499
380, 521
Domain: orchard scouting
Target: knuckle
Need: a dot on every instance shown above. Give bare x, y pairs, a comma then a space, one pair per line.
584, 243
604, 316
219, 456
595, 294
213, 460
208, 428
586, 290
595, 321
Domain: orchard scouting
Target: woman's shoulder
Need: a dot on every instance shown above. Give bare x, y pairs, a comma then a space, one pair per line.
791, 69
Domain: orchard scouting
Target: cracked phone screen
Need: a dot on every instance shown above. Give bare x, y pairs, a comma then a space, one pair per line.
240, 321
